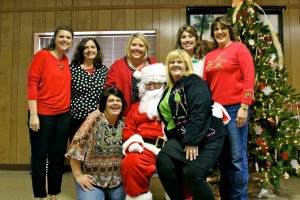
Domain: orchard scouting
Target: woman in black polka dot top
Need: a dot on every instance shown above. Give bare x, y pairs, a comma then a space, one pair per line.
88, 80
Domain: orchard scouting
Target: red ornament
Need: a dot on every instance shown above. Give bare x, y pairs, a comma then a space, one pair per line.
259, 142
244, 12
284, 155
261, 86
265, 150
250, 21
268, 38
272, 122
268, 165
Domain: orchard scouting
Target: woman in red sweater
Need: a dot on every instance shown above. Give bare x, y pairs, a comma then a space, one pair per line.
49, 94
229, 72
120, 72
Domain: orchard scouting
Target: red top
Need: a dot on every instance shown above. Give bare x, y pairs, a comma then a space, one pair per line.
48, 84
119, 76
229, 73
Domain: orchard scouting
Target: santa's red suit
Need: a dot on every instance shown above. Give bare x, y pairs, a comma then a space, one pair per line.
138, 167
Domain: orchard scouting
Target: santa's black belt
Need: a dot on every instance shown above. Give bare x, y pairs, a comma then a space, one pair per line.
159, 142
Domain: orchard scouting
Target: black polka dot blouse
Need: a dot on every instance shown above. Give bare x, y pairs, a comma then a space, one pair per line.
86, 90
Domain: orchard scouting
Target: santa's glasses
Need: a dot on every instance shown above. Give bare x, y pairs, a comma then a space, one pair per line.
153, 85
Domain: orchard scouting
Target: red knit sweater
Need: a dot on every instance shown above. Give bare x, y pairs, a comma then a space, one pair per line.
49, 85
229, 73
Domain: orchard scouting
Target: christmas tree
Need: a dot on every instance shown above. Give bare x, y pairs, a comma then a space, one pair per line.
274, 127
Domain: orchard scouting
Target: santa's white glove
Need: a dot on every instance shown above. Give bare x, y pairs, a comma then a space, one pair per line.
217, 111
135, 147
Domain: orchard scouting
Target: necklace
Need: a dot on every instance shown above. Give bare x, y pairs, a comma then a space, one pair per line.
194, 60
133, 69
113, 129
60, 65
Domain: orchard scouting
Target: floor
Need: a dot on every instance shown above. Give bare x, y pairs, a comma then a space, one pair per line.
16, 185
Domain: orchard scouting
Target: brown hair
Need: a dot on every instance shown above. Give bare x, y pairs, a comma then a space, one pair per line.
198, 51
51, 45
224, 21
78, 57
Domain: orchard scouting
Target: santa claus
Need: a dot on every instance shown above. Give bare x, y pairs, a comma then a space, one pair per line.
143, 133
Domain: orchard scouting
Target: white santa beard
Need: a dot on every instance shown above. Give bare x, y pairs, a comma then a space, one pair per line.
149, 102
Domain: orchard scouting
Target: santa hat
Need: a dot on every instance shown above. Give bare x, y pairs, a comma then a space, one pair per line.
154, 72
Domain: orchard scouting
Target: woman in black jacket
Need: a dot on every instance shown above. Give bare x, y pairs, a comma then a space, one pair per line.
195, 137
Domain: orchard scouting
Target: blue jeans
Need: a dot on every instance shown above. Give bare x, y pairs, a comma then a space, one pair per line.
233, 159
117, 193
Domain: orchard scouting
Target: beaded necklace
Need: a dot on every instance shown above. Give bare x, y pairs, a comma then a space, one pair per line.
113, 129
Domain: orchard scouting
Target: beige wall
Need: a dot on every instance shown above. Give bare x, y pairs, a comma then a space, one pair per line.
19, 19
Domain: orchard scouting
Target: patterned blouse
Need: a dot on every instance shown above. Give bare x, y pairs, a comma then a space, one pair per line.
86, 90
99, 147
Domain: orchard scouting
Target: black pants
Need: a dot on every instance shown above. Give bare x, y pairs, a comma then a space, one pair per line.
174, 173
51, 140
75, 124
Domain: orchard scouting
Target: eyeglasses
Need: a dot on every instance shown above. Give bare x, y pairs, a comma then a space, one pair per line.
148, 86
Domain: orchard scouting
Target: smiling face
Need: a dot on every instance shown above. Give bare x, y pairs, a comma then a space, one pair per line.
188, 41
221, 35
137, 49
90, 50
113, 106
177, 68
63, 41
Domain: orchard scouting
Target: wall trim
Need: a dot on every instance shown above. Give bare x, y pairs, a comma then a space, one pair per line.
15, 167
114, 7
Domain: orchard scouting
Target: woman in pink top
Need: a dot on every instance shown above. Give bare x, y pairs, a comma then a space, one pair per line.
229, 72
49, 95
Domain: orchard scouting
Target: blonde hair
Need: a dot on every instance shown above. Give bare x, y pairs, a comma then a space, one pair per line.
142, 37
181, 54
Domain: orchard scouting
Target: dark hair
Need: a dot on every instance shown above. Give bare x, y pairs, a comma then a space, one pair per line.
78, 57
199, 50
51, 45
111, 91
226, 22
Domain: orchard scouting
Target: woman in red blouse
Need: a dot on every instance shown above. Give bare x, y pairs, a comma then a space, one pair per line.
49, 94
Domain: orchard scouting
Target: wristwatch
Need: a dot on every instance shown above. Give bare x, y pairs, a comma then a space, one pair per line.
245, 108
